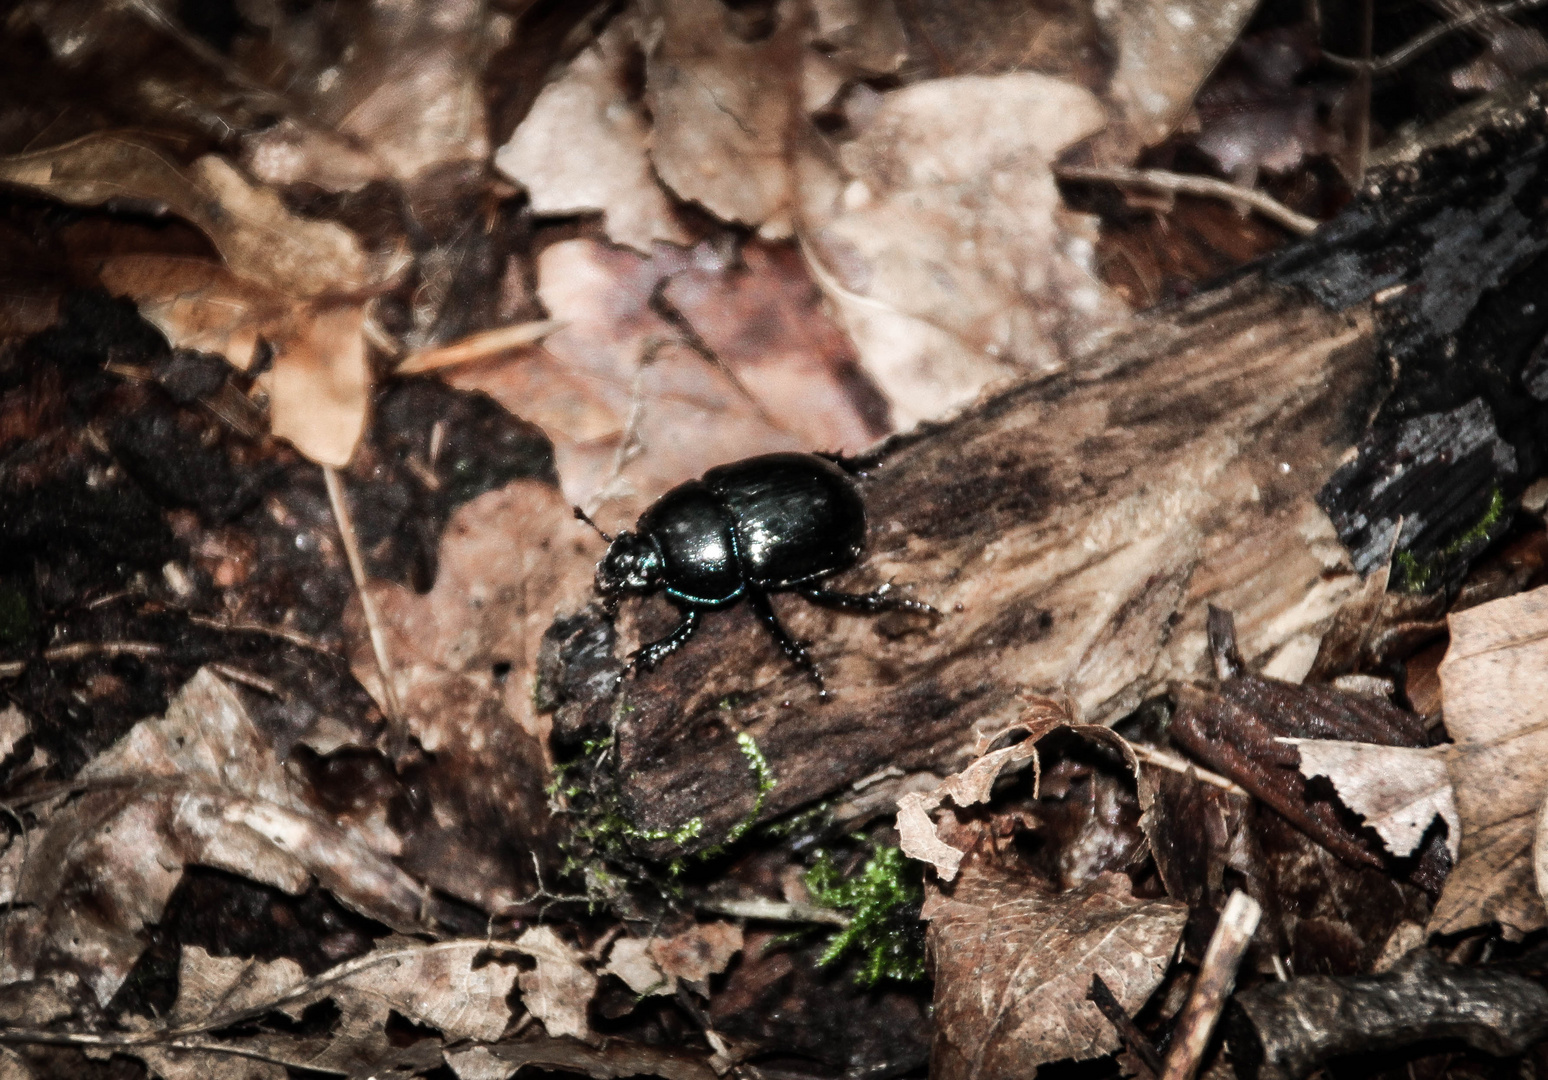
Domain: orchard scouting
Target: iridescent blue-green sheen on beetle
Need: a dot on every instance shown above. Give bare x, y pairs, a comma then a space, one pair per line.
775, 523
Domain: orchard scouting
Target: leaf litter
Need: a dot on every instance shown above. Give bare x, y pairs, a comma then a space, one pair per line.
742, 228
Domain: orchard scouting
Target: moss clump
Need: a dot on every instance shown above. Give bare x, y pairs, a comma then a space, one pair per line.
882, 902
1416, 575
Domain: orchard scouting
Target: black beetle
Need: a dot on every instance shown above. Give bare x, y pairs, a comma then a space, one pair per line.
775, 523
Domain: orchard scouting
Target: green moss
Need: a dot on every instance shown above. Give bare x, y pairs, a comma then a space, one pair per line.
1416, 575
882, 902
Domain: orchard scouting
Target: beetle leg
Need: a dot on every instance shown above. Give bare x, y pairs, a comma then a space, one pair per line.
794, 649
649, 655
871, 603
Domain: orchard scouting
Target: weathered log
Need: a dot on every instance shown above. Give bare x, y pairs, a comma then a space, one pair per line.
1284, 1030
1073, 529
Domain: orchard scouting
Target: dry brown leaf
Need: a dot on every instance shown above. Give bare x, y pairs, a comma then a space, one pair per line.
696, 954
767, 323
919, 837
1013, 964
13, 1066
722, 108
199, 785
464, 658
941, 239
630, 410
1496, 704
197, 304
459, 988
559, 990
862, 35
630, 960
614, 1060
1398, 790
320, 384
285, 279
403, 99
1165, 51
582, 147
259, 239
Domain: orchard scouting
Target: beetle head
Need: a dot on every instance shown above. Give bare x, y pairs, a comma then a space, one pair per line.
632, 565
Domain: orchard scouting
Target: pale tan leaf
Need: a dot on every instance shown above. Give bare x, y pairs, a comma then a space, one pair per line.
918, 838
13, 1066
941, 239
722, 109
1494, 681
1164, 53
1399, 790
631, 961
1013, 964
582, 147
197, 304
559, 990
320, 384
259, 239
215, 985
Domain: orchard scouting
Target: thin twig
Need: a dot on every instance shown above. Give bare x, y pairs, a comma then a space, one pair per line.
478, 346
247, 678
79, 650
1187, 184
1217, 974
367, 604
295, 637
1162, 760
1415, 46
1141, 1047
775, 911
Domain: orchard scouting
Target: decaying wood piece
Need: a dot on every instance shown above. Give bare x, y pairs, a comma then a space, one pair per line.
1282, 1031
1073, 529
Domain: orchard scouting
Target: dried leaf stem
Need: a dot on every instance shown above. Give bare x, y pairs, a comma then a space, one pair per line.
1171, 762
1217, 974
1207, 186
367, 604
478, 346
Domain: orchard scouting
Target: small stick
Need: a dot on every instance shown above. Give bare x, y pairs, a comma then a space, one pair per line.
775, 911
1162, 760
479, 346
1100, 996
1207, 186
1217, 974
367, 605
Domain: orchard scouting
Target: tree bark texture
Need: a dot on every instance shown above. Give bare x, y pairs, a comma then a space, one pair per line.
1258, 447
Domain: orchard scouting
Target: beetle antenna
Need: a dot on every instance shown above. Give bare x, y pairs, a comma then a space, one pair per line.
583, 516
